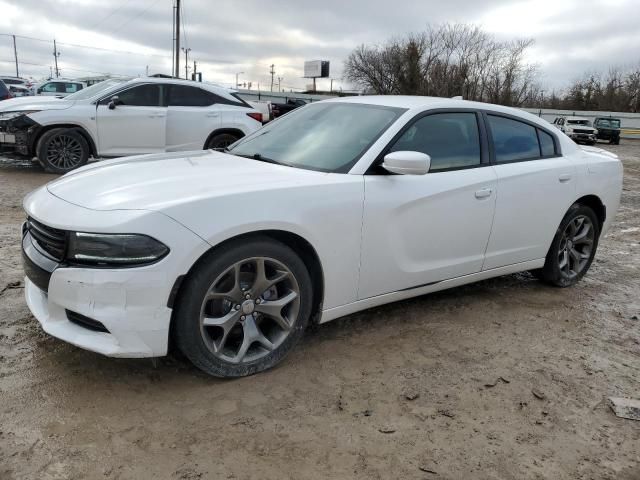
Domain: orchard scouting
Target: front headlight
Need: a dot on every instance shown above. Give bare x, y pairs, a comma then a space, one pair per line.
109, 250
10, 115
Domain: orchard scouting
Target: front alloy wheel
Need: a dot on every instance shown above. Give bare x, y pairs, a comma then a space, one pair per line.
243, 307
61, 150
249, 310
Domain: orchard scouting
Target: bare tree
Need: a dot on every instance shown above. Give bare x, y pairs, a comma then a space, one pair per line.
446, 60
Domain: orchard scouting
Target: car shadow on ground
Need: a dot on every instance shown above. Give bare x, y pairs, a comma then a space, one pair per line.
406, 316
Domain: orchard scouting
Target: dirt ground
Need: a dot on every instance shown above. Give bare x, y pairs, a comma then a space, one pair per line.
436, 387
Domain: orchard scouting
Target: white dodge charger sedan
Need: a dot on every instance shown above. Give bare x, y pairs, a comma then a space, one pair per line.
336, 207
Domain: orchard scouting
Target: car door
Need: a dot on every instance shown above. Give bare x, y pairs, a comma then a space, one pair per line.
536, 186
191, 116
136, 124
421, 229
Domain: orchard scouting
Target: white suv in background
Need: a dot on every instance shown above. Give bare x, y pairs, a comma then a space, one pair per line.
117, 118
59, 88
578, 129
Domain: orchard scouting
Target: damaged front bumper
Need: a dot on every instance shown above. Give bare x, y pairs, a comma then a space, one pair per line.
118, 312
17, 134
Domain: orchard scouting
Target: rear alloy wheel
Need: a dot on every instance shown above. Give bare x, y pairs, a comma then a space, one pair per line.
573, 248
244, 311
62, 149
221, 141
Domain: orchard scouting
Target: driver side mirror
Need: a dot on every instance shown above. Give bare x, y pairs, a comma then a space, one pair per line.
407, 163
113, 102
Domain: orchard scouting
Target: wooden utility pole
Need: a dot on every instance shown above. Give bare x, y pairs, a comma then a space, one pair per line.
194, 75
279, 82
177, 29
56, 54
15, 54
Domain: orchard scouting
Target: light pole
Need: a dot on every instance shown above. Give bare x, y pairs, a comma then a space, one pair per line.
238, 73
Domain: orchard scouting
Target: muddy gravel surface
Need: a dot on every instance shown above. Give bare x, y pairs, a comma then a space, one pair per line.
502, 379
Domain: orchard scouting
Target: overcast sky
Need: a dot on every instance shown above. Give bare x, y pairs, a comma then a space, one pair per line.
229, 36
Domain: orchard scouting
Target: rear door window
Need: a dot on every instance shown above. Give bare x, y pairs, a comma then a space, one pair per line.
186, 96
513, 140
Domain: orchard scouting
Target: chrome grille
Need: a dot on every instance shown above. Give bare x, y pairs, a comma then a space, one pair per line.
52, 241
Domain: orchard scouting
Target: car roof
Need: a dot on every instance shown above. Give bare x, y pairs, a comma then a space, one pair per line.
576, 118
427, 103
215, 88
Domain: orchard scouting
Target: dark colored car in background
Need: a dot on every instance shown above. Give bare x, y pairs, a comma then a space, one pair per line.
5, 94
608, 129
278, 109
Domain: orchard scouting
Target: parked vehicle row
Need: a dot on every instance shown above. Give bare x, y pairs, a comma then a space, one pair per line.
339, 206
119, 118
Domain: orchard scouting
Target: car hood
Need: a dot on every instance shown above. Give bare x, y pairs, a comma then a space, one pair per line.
580, 127
34, 103
156, 182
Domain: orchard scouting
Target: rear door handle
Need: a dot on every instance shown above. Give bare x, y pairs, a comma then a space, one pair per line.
213, 114
483, 193
564, 177
157, 115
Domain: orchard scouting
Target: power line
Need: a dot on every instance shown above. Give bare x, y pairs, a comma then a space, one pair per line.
122, 5
66, 68
127, 22
90, 47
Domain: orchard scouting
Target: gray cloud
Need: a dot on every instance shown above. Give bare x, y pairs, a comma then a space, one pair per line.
230, 36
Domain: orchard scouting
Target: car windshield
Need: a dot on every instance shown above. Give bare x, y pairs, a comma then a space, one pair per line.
328, 137
609, 123
579, 122
94, 90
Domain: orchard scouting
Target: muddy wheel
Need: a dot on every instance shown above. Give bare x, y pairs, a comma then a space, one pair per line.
243, 308
572, 249
62, 149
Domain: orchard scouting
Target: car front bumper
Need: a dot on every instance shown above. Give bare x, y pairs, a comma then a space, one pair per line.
129, 306
17, 134
136, 323
583, 137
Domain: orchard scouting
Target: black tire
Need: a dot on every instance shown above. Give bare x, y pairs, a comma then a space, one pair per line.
61, 150
617, 142
189, 331
221, 141
553, 272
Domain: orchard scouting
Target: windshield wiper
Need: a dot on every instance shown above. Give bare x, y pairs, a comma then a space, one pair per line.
257, 156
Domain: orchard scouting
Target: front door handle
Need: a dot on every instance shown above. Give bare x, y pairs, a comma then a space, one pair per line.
564, 178
483, 193
213, 114
157, 115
